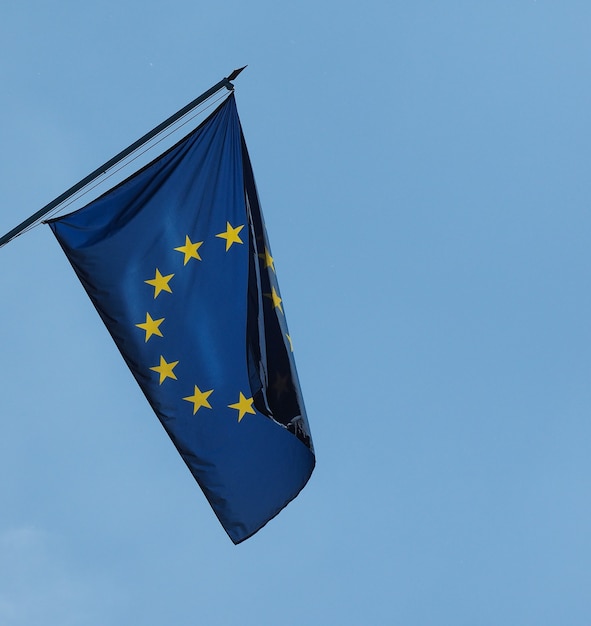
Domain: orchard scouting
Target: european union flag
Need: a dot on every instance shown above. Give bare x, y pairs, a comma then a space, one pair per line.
177, 263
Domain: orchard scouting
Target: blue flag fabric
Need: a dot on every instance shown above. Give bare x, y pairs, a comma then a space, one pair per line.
177, 263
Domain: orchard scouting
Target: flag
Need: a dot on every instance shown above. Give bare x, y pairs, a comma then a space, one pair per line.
177, 263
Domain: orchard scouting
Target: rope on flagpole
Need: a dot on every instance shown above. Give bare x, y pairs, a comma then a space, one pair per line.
105, 167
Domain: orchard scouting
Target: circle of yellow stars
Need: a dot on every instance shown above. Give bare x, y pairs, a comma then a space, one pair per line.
161, 283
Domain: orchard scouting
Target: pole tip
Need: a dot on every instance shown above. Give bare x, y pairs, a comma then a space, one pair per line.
235, 73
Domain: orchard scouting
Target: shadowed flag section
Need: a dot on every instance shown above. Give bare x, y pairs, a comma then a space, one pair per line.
177, 262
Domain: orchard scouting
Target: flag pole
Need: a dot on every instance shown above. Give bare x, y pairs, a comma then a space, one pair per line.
17, 230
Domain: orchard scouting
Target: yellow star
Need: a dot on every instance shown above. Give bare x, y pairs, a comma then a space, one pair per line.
199, 399
190, 250
276, 299
151, 326
269, 262
160, 283
231, 235
243, 406
165, 369
290, 344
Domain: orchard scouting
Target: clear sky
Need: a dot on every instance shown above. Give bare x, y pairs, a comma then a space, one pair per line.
424, 174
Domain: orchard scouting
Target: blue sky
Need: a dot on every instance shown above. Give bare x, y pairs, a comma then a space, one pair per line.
423, 171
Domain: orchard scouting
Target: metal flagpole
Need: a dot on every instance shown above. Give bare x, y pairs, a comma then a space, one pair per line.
225, 82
